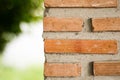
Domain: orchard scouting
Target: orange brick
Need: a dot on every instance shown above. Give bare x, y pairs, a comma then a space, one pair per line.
106, 24
80, 3
81, 46
107, 68
62, 24
58, 70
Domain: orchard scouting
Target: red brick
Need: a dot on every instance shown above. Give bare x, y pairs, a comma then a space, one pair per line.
80, 3
107, 68
81, 46
106, 24
62, 24
58, 70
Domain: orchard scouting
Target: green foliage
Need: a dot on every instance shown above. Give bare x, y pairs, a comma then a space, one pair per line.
13, 12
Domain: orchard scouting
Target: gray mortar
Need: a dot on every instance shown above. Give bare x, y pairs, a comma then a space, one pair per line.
84, 59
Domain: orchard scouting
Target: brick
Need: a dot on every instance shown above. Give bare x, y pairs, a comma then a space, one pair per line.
107, 68
62, 70
62, 24
80, 3
81, 46
106, 24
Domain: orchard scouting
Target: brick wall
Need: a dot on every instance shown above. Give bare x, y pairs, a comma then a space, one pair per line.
82, 39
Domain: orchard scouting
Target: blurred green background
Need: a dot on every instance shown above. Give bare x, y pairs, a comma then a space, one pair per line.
32, 73
12, 13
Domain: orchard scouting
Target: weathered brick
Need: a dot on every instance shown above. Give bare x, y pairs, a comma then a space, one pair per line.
80, 3
60, 69
81, 46
106, 24
107, 68
62, 24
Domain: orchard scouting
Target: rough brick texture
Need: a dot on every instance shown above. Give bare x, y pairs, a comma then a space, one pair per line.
80, 3
62, 24
108, 68
60, 69
94, 38
81, 46
106, 24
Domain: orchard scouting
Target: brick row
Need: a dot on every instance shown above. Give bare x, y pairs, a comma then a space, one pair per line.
80, 46
80, 3
100, 68
76, 24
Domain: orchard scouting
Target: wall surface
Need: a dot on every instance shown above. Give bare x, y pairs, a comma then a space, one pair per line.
84, 59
